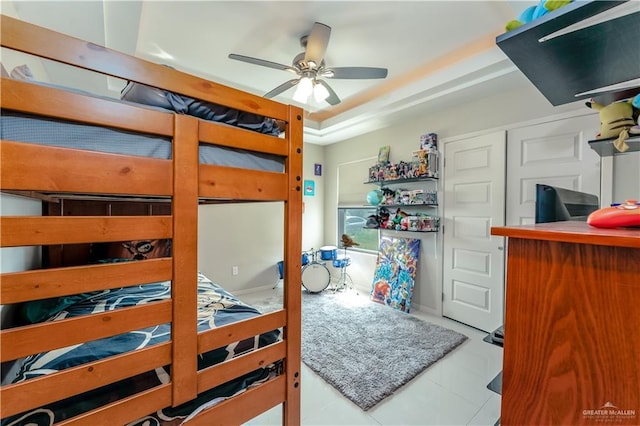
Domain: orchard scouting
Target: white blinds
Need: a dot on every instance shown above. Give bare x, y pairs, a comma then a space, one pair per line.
352, 176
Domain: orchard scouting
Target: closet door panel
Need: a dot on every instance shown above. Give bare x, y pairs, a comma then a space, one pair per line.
555, 153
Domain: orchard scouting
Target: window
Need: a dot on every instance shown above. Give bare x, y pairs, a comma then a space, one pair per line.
352, 221
352, 211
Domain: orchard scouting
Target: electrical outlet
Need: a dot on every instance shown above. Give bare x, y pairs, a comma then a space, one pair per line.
234, 270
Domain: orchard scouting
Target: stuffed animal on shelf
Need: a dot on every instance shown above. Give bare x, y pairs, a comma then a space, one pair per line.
423, 162
397, 219
378, 220
615, 121
534, 12
635, 102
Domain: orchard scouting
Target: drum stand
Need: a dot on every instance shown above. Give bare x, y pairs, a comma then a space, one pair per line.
344, 281
280, 266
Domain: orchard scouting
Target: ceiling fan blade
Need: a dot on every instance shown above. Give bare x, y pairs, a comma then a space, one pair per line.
317, 43
332, 99
355, 72
262, 62
283, 87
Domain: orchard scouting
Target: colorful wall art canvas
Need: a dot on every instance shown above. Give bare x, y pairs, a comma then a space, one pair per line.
395, 272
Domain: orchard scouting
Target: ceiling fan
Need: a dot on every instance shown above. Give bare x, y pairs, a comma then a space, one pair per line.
310, 67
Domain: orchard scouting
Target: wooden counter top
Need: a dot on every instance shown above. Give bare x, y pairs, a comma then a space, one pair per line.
573, 232
572, 325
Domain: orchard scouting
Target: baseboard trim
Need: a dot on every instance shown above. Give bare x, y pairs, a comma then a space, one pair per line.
255, 289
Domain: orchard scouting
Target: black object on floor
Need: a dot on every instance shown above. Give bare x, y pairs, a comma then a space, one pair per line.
496, 384
496, 337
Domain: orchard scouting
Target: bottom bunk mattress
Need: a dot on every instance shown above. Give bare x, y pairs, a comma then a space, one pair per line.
48, 131
216, 307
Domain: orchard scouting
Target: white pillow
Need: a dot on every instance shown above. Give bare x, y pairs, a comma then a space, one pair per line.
22, 72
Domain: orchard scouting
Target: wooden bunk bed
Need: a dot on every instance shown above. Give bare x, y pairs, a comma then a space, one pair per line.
53, 173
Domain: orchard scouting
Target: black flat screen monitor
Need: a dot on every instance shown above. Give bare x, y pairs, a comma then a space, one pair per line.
554, 204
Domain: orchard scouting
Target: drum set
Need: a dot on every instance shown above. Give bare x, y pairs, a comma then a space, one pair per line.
315, 274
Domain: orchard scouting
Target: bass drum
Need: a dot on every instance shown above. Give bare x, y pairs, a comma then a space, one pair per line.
315, 277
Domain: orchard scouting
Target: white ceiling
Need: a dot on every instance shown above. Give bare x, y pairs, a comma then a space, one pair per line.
433, 49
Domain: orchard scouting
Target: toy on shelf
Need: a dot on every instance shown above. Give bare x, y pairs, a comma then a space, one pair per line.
635, 103
429, 142
405, 197
395, 220
620, 215
376, 221
427, 164
383, 154
424, 166
402, 221
616, 119
534, 12
390, 196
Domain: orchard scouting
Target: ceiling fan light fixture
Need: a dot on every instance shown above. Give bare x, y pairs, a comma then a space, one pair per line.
310, 65
320, 93
304, 90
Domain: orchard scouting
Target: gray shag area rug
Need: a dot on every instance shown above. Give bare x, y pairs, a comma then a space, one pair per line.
364, 349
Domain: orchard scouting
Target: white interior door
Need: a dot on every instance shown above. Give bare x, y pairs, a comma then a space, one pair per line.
474, 200
555, 153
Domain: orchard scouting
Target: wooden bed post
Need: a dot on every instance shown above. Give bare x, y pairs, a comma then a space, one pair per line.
292, 275
184, 290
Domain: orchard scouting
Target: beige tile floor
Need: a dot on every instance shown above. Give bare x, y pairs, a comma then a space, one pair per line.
451, 392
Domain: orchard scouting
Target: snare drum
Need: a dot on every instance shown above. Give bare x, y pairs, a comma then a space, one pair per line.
328, 252
315, 277
341, 262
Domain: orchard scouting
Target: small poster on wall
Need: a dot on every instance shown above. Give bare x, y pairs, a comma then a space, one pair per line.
395, 273
309, 188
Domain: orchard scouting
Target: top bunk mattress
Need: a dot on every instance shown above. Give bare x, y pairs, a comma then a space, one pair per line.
47, 131
20, 127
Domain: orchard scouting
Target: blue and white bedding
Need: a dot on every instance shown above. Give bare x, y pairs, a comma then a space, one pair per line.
216, 307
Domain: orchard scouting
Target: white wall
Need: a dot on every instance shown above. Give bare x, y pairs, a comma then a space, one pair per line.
313, 214
626, 177
11, 58
250, 235
14, 259
476, 116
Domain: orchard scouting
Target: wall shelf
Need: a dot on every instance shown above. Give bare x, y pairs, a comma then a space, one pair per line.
601, 55
496, 337
419, 223
605, 148
400, 181
414, 232
408, 205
